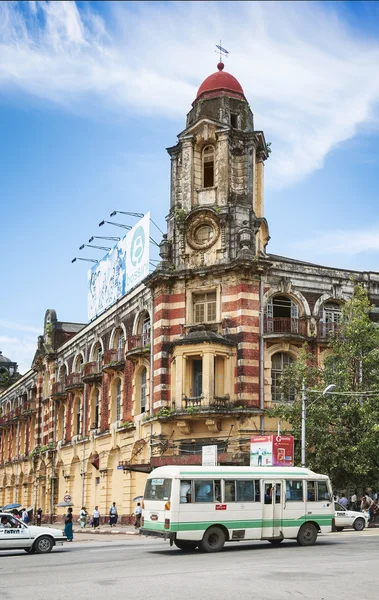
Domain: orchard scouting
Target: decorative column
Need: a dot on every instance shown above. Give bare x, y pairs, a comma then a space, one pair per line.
208, 376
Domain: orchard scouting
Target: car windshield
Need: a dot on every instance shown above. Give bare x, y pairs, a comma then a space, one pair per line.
338, 506
157, 489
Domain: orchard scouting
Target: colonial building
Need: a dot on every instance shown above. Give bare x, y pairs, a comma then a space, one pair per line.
192, 356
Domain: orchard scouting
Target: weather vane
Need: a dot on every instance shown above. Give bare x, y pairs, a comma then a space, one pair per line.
221, 51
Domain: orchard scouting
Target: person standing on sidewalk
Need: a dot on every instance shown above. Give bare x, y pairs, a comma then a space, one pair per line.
96, 517
113, 516
138, 513
39, 517
68, 525
83, 517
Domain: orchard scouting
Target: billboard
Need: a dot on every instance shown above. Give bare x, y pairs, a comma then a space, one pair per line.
272, 450
120, 270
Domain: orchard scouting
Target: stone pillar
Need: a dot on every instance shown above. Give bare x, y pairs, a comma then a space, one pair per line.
259, 199
208, 377
187, 173
222, 168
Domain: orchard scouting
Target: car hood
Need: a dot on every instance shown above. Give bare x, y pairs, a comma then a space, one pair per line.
34, 531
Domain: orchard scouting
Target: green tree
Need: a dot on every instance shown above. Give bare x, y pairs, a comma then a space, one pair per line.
342, 437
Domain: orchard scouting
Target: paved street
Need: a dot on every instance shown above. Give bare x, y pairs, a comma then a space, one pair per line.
340, 565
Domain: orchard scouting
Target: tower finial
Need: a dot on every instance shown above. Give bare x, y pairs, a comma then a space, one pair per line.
223, 53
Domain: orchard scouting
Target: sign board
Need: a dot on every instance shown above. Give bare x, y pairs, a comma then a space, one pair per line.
67, 498
123, 267
120, 467
209, 456
272, 450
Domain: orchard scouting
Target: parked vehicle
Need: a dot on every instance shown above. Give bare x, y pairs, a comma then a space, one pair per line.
350, 518
16, 535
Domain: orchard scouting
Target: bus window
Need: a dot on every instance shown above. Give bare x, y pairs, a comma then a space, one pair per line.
294, 490
245, 491
203, 491
230, 491
268, 493
158, 489
311, 491
277, 493
185, 491
323, 492
217, 491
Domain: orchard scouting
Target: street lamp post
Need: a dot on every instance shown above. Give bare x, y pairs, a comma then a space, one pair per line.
326, 391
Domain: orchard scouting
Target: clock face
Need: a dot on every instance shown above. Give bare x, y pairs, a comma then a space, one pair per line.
204, 234
203, 230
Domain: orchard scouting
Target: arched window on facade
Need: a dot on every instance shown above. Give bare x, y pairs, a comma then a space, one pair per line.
62, 373
95, 409
97, 354
119, 339
78, 364
78, 416
143, 389
330, 318
279, 362
118, 400
208, 167
145, 329
282, 315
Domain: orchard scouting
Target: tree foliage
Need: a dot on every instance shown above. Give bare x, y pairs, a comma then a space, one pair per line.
342, 428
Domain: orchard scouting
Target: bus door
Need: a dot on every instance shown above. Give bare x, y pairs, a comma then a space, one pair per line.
272, 513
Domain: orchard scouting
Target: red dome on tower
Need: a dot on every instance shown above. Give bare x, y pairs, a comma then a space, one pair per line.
219, 84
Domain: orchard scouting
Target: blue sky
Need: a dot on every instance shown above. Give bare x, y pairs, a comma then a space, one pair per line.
91, 94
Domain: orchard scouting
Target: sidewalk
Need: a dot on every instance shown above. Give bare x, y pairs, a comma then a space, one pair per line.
103, 529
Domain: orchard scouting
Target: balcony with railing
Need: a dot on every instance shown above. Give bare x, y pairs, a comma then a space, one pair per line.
327, 330
113, 360
59, 389
74, 381
201, 404
93, 371
138, 345
284, 326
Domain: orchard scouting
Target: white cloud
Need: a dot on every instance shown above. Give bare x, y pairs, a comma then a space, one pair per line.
342, 242
19, 349
308, 77
19, 327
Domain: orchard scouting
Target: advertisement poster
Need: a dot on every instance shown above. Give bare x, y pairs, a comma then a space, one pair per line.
120, 270
272, 450
209, 456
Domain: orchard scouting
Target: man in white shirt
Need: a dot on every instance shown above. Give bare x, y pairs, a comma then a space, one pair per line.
96, 517
138, 513
25, 516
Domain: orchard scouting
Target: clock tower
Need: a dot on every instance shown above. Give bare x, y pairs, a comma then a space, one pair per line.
217, 208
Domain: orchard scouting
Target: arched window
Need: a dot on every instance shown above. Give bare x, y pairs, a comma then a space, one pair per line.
279, 362
145, 330
97, 353
62, 373
208, 166
331, 317
78, 364
282, 315
119, 339
118, 400
95, 409
78, 417
143, 389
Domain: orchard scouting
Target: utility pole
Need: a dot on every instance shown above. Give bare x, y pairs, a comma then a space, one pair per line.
303, 420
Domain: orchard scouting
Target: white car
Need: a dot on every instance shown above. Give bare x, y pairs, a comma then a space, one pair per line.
349, 518
15, 535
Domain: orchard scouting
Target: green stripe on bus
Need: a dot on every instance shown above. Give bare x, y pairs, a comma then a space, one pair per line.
322, 520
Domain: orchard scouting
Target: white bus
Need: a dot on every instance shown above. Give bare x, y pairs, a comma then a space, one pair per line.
207, 506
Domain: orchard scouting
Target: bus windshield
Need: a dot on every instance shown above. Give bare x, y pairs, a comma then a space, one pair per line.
158, 489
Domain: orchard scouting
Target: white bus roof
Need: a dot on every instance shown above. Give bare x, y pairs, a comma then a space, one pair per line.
173, 471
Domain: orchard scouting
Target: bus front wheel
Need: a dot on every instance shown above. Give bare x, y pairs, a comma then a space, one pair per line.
186, 546
213, 540
307, 535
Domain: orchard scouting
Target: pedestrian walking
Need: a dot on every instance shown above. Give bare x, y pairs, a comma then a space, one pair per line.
83, 517
68, 525
138, 514
344, 501
353, 501
39, 517
96, 517
113, 516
